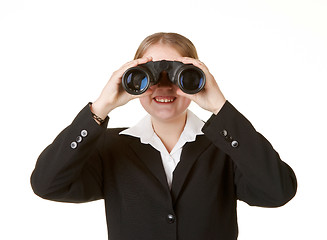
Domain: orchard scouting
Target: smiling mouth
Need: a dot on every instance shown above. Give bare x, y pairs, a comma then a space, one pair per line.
164, 99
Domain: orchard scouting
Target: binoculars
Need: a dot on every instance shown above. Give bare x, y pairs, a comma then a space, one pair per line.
189, 78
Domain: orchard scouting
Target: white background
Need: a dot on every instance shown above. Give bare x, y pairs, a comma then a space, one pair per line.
268, 56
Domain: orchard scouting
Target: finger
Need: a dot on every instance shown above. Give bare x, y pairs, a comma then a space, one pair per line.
119, 73
195, 62
188, 60
138, 61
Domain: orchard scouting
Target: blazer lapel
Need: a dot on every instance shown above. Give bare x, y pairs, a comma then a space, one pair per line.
190, 153
152, 159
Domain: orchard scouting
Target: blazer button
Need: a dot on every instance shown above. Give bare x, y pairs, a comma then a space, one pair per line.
229, 138
73, 145
79, 139
83, 133
224, 133
234, 144
170, 218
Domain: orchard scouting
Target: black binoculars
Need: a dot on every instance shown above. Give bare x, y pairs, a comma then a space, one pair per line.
189, 78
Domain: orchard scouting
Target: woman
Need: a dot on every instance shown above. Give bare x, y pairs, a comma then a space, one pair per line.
171, 176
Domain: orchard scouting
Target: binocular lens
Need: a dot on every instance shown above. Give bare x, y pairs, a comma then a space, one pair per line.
191, 80
136, 81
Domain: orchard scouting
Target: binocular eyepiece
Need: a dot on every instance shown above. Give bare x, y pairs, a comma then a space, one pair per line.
189, 78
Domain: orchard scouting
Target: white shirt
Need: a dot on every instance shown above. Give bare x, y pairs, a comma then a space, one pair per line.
145, 132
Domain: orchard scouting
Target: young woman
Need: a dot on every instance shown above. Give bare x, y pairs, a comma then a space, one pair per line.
171, 176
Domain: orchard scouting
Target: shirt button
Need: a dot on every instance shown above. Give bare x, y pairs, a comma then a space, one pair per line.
170, 218
73, 145
79, 139
234, 144
83, 133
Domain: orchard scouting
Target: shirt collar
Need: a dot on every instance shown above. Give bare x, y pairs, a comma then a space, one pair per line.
145, 132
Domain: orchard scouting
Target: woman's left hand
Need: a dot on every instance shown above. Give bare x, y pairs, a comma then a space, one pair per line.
210, 97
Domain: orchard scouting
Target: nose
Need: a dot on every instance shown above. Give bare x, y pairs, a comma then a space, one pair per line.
164, 80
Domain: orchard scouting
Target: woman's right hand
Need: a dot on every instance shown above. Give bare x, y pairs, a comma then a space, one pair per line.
113, 94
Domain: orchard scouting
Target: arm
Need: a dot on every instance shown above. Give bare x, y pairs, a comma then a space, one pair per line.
70, 168
261, 177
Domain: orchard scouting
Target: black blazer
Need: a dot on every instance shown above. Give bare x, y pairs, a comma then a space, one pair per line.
230, 161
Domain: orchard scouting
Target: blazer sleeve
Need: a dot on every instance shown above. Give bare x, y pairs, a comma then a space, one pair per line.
70, 169
261, 177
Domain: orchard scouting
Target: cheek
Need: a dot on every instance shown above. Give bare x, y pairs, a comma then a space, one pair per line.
184, 102
145, 101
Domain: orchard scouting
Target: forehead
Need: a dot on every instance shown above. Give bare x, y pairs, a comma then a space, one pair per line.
162, 52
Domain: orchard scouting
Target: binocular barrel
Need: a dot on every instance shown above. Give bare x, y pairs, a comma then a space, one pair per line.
189, 78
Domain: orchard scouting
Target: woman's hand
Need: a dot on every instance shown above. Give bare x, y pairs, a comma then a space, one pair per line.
210, 97
113, 95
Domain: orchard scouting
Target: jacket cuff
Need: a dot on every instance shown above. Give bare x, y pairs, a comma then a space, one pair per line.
85, 117
85, 127
228, 129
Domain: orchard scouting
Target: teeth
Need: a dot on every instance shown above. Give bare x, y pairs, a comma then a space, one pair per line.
164, 100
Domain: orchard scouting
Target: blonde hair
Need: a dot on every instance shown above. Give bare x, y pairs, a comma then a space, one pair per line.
182, 44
